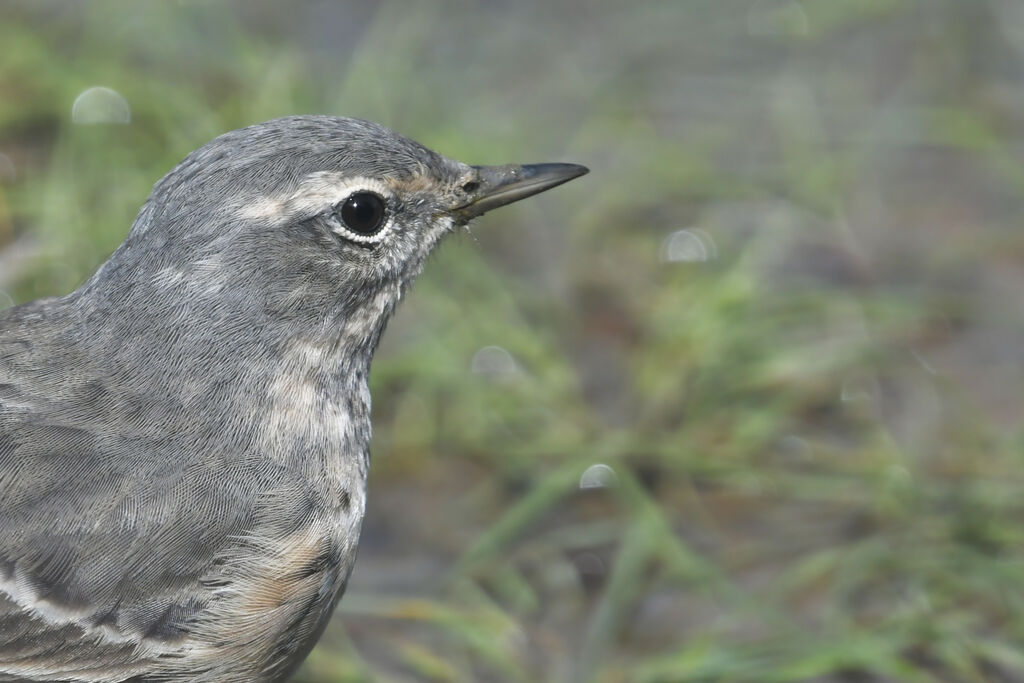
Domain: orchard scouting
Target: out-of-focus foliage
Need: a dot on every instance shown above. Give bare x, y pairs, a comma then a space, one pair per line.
744, 404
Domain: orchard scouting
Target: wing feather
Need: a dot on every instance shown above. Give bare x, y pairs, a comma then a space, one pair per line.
109, 526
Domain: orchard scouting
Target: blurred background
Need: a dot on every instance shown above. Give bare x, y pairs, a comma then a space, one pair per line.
743, 404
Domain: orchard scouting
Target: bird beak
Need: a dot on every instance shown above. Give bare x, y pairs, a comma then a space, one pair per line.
501, 185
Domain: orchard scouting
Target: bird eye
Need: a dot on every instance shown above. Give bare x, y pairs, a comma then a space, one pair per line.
363, 213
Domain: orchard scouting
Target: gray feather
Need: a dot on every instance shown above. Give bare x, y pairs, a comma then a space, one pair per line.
184, 440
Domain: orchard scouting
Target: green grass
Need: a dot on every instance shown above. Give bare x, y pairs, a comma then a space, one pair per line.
816, 435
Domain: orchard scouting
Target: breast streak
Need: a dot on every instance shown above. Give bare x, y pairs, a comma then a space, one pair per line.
274, 598
280, 589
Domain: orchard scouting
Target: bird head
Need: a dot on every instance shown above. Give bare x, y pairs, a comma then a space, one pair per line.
321, 219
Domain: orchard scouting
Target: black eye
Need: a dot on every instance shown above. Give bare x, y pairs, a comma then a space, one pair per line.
363, 213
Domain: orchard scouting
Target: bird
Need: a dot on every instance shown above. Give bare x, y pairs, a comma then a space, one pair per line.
184, 439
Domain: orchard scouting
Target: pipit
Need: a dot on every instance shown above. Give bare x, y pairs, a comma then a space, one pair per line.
184, 440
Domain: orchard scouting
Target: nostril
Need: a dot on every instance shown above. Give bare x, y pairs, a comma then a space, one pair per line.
471, 186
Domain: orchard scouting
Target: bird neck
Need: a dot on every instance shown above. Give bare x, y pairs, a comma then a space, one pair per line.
184, 339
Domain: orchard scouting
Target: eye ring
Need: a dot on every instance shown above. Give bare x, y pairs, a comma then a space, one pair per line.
362, 215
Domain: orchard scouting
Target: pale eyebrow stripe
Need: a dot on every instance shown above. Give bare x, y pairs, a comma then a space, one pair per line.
316, 193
